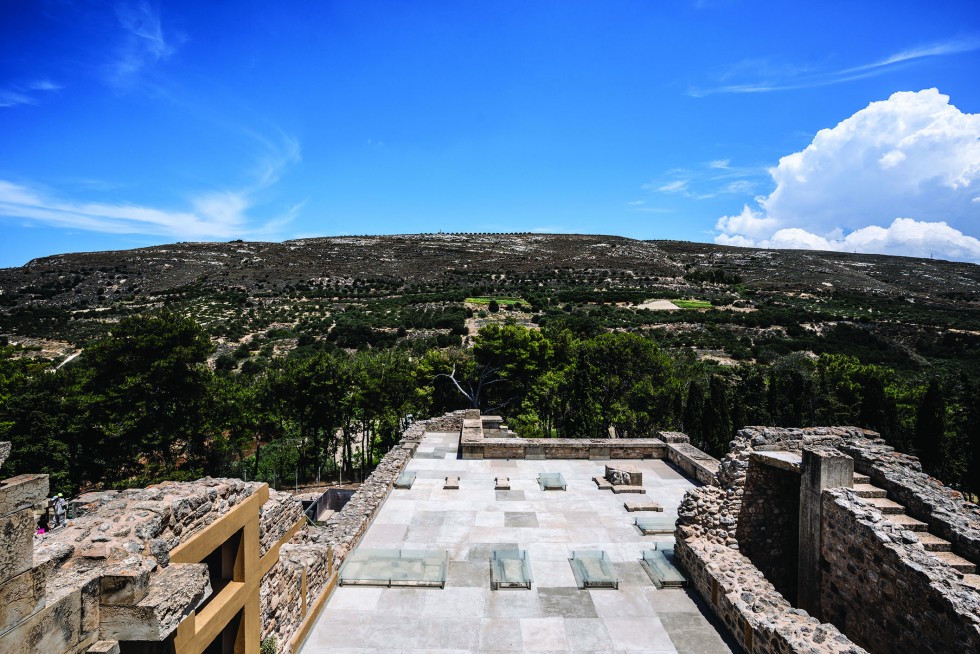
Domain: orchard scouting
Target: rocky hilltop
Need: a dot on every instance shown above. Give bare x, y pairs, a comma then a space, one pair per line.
97, 277
260, 300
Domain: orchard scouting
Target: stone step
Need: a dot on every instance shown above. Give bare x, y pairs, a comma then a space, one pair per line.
886, 506
956, 562
908, 522
934, 543
867, 490
972, 580
861, 479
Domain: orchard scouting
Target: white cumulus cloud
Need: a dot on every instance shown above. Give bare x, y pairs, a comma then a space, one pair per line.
901, 176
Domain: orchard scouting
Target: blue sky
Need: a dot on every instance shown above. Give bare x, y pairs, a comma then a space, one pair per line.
136, 123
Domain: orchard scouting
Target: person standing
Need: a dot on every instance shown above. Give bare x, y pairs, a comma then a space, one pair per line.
59, 511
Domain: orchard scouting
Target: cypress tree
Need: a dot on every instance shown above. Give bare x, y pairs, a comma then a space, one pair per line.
930, 427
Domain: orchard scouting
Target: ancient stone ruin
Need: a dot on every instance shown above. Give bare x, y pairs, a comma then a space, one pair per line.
827, 540
621, 478
211, 565
821, 540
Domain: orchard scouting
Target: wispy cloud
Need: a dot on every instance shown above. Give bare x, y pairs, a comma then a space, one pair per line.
26, 93
144, 42
214, 214
677, 186
707, 180
789, 78
641, 207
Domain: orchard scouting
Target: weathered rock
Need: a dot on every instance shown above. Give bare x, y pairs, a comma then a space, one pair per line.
173, 592
16, 543
21, 596
21, 492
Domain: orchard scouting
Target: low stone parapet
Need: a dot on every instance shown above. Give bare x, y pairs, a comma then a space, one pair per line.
757, 616
477, 447
695, 463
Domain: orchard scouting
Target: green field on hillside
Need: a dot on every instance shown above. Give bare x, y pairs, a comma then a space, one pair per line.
507, 301
692, 304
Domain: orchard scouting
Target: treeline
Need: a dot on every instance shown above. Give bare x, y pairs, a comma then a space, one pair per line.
141, 404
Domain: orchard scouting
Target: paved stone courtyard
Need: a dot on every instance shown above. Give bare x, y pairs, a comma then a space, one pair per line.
554, 615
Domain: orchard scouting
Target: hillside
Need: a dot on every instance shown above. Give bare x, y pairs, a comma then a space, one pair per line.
912, 311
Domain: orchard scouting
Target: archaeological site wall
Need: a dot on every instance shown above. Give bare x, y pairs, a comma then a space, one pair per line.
769, 523
177, 565
886, 591
310, 561
884, 554
171, 567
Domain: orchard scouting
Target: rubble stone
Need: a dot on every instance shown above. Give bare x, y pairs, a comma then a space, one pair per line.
879, 587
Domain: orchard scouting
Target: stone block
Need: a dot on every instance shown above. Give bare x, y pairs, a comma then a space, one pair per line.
623, 475
90, 607
22, 596
173, 592
532, 452
55, 628
598, 453
21, 492
16, 543
634, 505
104, 647
673, 437
127, 584
627, 489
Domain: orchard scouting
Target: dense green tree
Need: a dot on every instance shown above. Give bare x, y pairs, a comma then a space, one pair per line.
623, 381
930, 427
140, 396
35, 417
716, 425
693, 409
971, 434
515, 356
792, 392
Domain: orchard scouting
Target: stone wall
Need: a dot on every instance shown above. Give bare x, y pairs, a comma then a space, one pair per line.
948, 514
108, 574
277, 516
884, 590
310, 560
769, 524
709, 550
758, 617
878, 583
476, 443
695, 463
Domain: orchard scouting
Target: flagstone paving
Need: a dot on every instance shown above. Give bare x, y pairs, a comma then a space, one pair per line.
467, 616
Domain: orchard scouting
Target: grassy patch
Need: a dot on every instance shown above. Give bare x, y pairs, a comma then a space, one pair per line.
692, 304
500, 300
